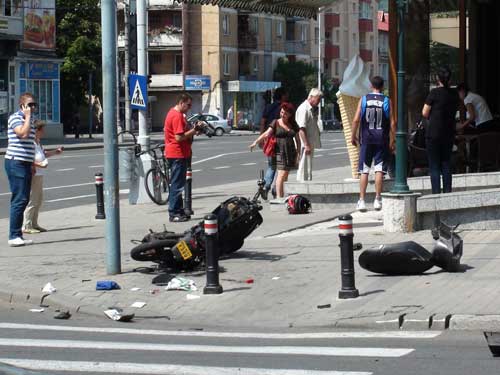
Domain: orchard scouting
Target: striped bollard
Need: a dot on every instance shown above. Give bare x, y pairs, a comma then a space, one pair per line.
99, 191
346, 236
212, 255
188, 188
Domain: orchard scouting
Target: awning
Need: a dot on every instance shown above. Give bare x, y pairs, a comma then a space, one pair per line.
291, 8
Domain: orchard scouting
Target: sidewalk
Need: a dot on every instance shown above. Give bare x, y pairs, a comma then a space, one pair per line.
293, 273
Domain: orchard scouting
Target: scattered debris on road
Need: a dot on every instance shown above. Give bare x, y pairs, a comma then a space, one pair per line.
118, 315
49, 288
181, 283
106, 285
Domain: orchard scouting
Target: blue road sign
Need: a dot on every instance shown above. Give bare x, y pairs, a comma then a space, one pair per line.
138, 91
196, 83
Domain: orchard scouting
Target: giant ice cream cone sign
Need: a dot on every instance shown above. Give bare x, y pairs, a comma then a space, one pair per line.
355, 84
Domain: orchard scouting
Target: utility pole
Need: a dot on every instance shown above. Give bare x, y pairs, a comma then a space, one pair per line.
137, 192
111, 195
126, 13
90, 105
320, 64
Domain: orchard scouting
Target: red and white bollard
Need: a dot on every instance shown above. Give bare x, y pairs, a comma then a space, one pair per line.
99, 190
346, 236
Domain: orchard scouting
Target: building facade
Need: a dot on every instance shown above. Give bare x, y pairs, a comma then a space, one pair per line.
235, 51
28, 61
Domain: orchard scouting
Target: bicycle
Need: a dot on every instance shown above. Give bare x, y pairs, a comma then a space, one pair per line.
157, 178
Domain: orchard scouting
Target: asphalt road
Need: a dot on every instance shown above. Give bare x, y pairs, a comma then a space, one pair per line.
96, 346
69, 179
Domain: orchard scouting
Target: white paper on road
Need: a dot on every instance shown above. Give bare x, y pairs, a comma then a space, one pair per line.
49, 288
37, 310
139, 304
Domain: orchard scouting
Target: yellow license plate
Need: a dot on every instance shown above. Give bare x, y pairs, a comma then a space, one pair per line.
184, 250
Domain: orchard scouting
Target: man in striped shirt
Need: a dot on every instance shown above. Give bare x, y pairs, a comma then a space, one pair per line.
18, 165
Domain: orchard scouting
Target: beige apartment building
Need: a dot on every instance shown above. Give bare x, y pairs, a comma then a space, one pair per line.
238, 51
350, 28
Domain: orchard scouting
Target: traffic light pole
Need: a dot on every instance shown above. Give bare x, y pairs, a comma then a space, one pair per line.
126, 13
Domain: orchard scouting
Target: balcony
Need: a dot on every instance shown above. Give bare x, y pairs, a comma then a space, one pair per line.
12, 27
294, 47
365, 54
166, 82
331, 51
383, 53
164, 4
365, 25
332, 20
163, 40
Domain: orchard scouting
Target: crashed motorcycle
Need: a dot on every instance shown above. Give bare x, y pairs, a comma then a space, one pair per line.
411, 258
237, 218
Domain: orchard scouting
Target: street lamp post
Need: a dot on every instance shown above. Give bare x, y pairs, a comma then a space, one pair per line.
400, 183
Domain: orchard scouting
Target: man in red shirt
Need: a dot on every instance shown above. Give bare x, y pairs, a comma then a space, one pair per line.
178, 139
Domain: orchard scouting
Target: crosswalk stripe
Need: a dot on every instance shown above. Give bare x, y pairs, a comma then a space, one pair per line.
147, 368
223, 167
245, 164
287, 350
243, 335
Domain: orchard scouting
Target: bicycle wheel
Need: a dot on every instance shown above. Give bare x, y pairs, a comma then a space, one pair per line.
157, 186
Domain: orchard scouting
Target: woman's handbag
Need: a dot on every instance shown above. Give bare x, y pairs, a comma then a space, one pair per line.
269, 147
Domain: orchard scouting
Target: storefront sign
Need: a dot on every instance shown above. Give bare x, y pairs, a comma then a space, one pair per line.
39, 24
194, 83
43, 70
252, 86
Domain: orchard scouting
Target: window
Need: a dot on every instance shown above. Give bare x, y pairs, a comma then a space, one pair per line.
42, 89
354, 39
255, 63
365, 11
178, 64
327, 35
336, 69
371, 42
255, 25
226, 63
154, 20
303, 33
316, 35
225, 24
155, 58
362, 41
279, 29
177, 20
336, 39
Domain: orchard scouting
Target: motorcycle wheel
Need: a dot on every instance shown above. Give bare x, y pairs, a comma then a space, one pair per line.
153, 251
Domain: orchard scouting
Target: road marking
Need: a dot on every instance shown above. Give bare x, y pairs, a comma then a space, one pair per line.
318, 156
245, 335
249, 164
124, 191
331, 149
152, 368
96, 166
285, 350
223, 167
59, 187
65, 170
197, 170
338, 153
74, 156
219, 156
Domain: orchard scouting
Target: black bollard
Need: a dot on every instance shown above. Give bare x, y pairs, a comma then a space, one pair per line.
99, 191
346, 236
188, 188
212, 255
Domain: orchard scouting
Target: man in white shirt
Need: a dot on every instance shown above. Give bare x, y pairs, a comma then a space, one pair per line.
306, 117
479, 118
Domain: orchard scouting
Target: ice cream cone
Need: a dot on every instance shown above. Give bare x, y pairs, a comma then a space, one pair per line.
348, 105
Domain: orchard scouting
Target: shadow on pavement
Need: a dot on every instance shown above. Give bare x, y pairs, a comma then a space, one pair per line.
70, 228
70, 240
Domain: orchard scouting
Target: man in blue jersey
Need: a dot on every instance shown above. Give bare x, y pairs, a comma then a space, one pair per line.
19, 159
377, 121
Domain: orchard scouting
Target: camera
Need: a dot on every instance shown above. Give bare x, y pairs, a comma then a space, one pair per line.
205, 128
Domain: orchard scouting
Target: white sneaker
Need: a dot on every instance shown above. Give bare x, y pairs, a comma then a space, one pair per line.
16, 242
377, 204
361, 205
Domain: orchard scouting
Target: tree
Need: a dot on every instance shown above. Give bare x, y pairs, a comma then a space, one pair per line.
293, 76
79, 45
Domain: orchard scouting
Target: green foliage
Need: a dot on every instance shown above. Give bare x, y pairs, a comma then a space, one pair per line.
79, 44
298, 78
293, 76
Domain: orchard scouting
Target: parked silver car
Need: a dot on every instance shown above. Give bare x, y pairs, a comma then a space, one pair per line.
220, 125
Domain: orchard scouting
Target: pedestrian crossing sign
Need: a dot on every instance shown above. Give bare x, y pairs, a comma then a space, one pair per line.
138, 92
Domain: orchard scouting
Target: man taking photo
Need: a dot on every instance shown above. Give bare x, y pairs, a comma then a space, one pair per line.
178, 139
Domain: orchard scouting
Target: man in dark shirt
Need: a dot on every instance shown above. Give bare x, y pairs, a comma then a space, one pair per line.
271, 113
440, 108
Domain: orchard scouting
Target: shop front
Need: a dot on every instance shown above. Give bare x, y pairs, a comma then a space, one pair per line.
246, 98
42, 79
